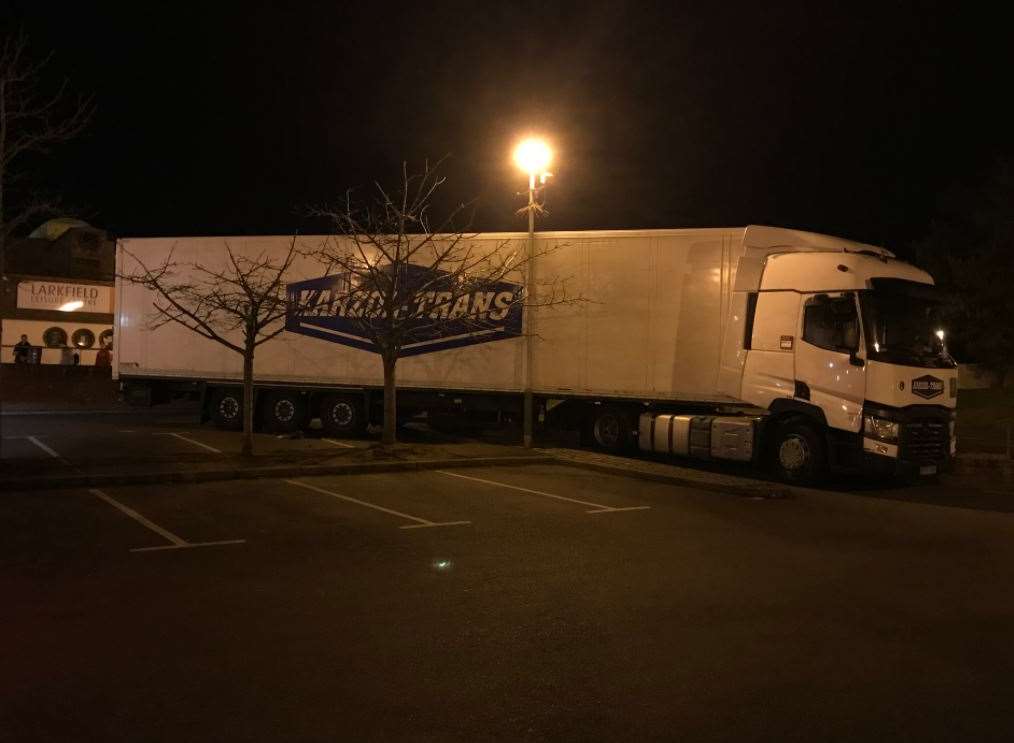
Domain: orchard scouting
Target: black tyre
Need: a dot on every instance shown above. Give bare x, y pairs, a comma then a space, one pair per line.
799, 453
609, 429
227, 409
342, 415
283, 412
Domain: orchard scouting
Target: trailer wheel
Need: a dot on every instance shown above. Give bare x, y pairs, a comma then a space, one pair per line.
609, 429
342, 415
227, 409
799, 454
283, 412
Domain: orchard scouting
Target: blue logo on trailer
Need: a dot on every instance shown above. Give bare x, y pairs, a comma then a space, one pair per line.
330, 309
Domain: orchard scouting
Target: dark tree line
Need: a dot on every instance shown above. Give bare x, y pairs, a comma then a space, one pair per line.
969, 250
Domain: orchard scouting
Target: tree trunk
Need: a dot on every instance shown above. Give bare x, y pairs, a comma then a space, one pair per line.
248, 402
389, 435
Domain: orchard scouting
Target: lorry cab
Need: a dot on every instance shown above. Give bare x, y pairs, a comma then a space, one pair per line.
845, 350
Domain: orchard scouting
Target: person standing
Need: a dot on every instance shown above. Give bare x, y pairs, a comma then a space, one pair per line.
103, 357
22, 349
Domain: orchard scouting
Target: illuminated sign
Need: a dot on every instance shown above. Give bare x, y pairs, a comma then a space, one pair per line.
64, 297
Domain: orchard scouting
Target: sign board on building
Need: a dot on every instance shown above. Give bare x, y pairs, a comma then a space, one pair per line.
65, 297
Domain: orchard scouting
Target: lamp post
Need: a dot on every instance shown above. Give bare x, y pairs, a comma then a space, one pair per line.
533, 156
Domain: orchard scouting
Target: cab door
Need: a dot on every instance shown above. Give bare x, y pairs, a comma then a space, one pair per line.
830, 369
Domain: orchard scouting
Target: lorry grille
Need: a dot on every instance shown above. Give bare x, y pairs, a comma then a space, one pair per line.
924, 441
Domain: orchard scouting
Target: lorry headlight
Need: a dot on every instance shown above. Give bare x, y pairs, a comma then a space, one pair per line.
880, 428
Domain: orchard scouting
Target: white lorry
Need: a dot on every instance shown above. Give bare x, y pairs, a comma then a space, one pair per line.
800, 351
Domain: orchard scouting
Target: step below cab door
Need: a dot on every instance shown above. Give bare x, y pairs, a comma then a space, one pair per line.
830, 369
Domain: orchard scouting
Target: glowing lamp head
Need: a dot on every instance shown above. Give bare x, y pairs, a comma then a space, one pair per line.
940, 335
533, 156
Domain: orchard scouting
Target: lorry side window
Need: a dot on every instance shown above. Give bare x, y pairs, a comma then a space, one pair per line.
831, 323
751, 312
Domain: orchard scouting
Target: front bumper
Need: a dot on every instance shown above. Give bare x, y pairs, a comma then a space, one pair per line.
881, 466
924, 446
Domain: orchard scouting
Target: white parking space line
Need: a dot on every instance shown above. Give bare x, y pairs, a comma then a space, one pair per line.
188, 545
189, 440
421, 523
175, 542
164, 533
340, 443
44, 448
597, 507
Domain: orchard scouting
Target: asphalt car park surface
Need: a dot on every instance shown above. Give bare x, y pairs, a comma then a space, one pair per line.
139, 442
138, 437
538, 602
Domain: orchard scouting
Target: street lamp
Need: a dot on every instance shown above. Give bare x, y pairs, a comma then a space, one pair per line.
533, 156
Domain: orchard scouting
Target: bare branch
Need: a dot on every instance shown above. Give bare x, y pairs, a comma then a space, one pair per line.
235, 306
31, 121
400, 276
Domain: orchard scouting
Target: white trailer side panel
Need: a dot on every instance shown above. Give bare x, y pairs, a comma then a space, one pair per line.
653, 315
655, 312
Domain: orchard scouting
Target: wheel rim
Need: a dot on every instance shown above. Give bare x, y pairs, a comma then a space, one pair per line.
285, 411
342, 413
793, 453
607, 430
228, 408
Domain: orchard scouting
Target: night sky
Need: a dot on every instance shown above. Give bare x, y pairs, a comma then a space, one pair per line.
817, 116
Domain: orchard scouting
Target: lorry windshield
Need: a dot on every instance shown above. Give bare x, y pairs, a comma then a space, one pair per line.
901, 320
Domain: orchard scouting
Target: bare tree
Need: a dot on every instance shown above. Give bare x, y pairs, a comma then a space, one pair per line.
400, 277
31, 121
240, 305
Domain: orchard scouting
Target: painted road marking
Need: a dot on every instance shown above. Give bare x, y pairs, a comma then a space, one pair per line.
340, 443
44, 448
188, 545
597, 507
420, 522
189, 440
175, 542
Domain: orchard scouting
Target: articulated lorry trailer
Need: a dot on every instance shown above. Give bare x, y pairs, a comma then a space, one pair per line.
793, 350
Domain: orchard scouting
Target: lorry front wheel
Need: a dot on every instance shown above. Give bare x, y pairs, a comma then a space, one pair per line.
283, 412
610, 429
342, 415
799, 454
227, 409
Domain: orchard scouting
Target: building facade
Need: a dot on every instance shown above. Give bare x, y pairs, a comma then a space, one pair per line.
59, 293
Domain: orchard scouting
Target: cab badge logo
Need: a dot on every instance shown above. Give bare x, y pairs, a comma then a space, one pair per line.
927, 387
785, 343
